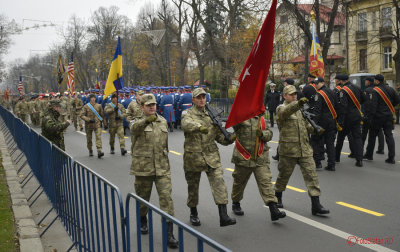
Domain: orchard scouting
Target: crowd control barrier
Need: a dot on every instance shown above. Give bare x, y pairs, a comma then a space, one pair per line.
89, 206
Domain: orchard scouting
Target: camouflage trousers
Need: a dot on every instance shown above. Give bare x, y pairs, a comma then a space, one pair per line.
120, 133
35, 119
307, 166
144, 185
97, 132
263, 176
23, 117
217, 183
76, 120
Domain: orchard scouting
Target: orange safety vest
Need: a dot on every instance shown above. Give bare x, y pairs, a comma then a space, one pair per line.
243, 152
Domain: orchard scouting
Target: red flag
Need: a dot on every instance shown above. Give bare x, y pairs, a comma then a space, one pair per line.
249, 100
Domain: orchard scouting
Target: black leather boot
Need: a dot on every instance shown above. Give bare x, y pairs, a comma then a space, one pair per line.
318, 165
171, 241
279, 197
143, 225
276, 157
224, 219
359, 163
237, 210
100, 154
330, 167
316, 207
275, 213
194, 219
112, 151
123, 151
90, 153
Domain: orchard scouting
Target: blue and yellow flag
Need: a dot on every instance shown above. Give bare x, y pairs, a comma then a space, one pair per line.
317, 67
114, 80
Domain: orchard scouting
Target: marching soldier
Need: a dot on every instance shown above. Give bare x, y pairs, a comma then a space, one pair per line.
64, 108
294, 148
353, 97
272, 102
31, 109
134, 108
52, 128
383, 115
116, 114
398, 106
76, 105
22, 109
92, 114
201, 154
150, 163
247, 160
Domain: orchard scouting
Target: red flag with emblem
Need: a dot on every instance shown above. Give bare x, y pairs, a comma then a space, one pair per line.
249, 100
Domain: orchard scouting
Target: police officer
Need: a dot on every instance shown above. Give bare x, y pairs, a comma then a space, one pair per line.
353, 97
201, 155
92, 114
384, 99
52, 127
271, 102
150, 163
116, 113
294, 148
367, 108
326, 110
247, 160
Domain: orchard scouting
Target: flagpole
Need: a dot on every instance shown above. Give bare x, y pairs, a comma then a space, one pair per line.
117, 86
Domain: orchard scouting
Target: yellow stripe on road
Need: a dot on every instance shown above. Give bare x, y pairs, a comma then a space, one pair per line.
293, 188
104, 131
273, 142
176, 153
345, 153
230, 169
126, 137
360, 209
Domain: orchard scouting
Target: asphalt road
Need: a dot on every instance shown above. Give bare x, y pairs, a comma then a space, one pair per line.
364, 202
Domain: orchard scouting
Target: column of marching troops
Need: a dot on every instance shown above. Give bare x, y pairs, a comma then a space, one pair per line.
150, 112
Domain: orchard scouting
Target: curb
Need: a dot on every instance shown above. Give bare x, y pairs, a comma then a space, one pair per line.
28, 233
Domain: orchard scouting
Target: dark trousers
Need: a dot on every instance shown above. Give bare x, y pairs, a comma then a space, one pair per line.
271, 117
325, 140
366, 128
351, 129
387, 126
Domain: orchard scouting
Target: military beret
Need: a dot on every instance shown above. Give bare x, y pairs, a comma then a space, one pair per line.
319, 80
198, 91
379, 77
290, 81
289, 89
54, 103
311, 75
114, 95
370, 79
91, 96
21, 98
148, 99
337, 77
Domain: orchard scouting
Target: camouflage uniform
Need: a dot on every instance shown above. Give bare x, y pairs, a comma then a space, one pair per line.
22, 110
201, 154
52, 128
43, 107
246, 137
64, 110
76, 106
134, 110
294, 148
116, 126
150, 161
31, 108
36, 114
86, 115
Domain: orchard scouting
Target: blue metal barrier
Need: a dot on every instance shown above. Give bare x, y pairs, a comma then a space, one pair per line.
89, 206
201, 239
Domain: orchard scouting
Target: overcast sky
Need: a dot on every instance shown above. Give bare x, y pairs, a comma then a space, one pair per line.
38, 41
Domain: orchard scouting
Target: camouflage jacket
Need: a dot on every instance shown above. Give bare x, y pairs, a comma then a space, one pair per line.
21, 108
112, 114
201, 150
53, 129
64, 107
133, 110
87, 114
293, 131
43, 107
149, 147
76, 105
246, 136
31, 107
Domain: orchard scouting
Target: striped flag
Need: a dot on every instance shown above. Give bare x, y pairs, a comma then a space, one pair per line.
70, 74
60, 70
20, 87
317, 67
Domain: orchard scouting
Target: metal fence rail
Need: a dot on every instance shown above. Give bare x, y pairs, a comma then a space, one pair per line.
89, 206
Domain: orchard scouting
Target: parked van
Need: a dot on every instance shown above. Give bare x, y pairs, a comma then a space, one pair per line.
358, 79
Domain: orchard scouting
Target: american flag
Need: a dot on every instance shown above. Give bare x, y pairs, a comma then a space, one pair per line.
20, 87
70, 74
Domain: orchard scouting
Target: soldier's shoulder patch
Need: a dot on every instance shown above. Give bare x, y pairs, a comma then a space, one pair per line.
184, 112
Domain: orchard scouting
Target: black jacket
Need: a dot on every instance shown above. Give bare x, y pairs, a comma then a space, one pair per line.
379, 109
272, 100
324, 116
350, 110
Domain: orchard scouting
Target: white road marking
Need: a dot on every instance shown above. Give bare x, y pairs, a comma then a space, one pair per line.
334, 231
83, 133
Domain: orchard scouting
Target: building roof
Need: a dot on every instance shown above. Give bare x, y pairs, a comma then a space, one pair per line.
324, 13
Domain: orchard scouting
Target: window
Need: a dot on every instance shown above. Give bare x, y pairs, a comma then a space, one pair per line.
373, 18
387, 57
283, 19
386, 17
362, 22
363, 59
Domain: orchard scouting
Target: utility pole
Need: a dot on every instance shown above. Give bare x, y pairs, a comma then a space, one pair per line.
167, 42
